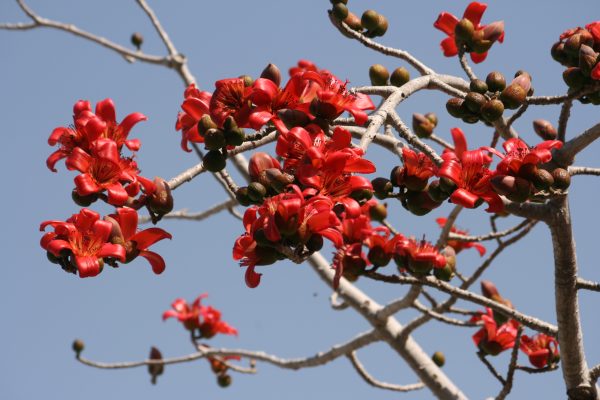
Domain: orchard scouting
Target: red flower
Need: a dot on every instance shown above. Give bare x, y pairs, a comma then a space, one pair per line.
447, 22
230, 98
468, 170
541, 349
302, 67
195, 105
197, 316
417, 170
103, 170
594, 29
419, 256
332, 98
494, 339
89, 127
124, 232
519, 153
459, 245
84, 238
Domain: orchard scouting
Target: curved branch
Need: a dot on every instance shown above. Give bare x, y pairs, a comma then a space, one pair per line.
199, 216
442, 318
378, 384
566, 155
489, 236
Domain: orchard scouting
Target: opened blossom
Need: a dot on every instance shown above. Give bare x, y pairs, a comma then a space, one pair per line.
196, 316
419, 256
417, 170
468, 169
136, 243
195, 105
89, 127
492, 338
482, 38
230, 98
541, 349
84, 240
459, 245
518, 153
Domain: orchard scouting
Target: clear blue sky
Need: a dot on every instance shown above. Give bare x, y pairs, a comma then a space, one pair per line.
43, 72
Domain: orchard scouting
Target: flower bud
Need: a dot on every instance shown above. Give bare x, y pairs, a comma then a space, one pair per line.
544, 129
478, 86
272, 73
435, 192
155, 369
422, 126
464, 30
353, 22
314, 243
493, 31
513, 96
83, 201
340, 11
214, 139
293, 118
492, 110
439, 359
248, 81
481, 45
587, 59
489, 290
543, 179
378, 212
474, 101
235, 137
78, 346
224, 380
379, 75
378, 257
558, 53
214, 161
205, 124
137, 40
562, 179
399, 76
432, 117
454, 107
241, 195
573, 44
230, 123
256, 192
338, 1
495, 81
444, 274
514, 188
382, 27
382, 187
259, 162
161, 201
361, 194
573, 77
370, 20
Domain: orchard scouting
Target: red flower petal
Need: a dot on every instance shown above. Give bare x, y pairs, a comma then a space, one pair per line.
112, 250
105, 109
129, 121
446, 23
87, 266
474, 12
148, 237
155, 260
252, 277
478, 57
448, 46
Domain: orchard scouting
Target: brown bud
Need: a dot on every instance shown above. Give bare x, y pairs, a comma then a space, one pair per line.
338, 1
370, 20
155, 369
259, 162
353, 22
224, 380
513, 96
422, 126
495, 81
474, 101
439, 359
489, 290
235, 137
379, 75
544, 129
399, 76
435, 191
514, 188
573, 44
378, 257
382, 26
83, 201
573, 77
587, 59
562, 179
214, 161
241, 195
480, 46
137, 40
293, 118
78, 346
454, 107
314, 243
340, 11
256, 192
447, 185
378, 212
432, 117
214, 139
543, 179
492, 110
161, 201
522, 79
272, 73
464, 30
229, 123
493, 31
558, 53
205, 124
382, 187
479, 86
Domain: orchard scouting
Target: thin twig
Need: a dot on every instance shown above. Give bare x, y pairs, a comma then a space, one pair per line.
490, 367
441, 242
199, 216
565, 113
464, 64
489, 236
442, 318
583, 171
379, 384
510, 375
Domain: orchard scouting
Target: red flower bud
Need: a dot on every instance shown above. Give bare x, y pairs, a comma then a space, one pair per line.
272, 73
544, 129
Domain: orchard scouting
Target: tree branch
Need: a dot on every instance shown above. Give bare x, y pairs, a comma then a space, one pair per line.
378, 384
566, 155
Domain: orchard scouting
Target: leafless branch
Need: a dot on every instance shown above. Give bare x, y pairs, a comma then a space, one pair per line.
442, 318
588, 285
199, 216
464, 64
378, 384
583, 171
565, 113
510, 375
490, 367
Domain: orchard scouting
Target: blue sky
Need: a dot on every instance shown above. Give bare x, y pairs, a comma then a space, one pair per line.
43, 72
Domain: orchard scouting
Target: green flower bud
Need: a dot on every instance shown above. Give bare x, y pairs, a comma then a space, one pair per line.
370, 20
214, 161
214, 139
340, 11
478, 86
439, 359
379, 75
399, 76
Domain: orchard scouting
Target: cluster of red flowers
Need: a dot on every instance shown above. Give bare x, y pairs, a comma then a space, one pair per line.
499, 334
465, 176
310, 95
93, 146
469, 33
578, 50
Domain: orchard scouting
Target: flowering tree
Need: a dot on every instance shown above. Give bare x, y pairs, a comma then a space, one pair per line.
317, 189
